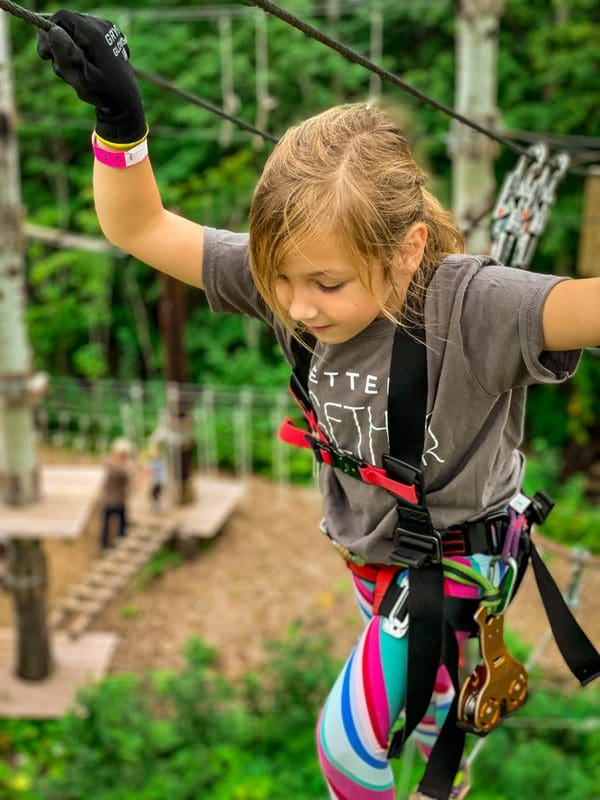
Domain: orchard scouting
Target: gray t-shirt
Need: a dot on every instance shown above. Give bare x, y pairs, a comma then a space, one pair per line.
484, 340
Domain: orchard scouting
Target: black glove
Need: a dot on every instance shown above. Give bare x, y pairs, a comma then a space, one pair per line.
92, 56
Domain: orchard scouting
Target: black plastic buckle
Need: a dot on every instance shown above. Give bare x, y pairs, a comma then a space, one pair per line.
416, 542
541, 505
403, 472
347, 464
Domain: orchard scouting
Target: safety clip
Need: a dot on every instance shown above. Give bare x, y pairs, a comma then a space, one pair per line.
396, 622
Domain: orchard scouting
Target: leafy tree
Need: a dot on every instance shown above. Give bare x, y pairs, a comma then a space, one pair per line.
84, 313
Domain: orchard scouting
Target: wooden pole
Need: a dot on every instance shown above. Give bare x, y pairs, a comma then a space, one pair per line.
179, 421
588, 264
473, 154
26, 560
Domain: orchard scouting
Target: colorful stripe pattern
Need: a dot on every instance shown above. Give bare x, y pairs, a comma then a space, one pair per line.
368, 697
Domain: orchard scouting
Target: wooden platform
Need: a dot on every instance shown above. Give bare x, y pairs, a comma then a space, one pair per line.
215, 499
67, 497
76, 664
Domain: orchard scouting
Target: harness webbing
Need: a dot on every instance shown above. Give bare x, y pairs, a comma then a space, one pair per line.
407, 396
428, 630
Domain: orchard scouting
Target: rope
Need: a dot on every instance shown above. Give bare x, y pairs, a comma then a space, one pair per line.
28, 16
583, 558
158, 80
384, 74
313, 33
44, 24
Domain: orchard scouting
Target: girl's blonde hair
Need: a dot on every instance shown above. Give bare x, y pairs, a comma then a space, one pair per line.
348, 173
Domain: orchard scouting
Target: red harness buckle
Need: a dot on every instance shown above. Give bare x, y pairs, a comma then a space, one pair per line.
378, 477
453, 542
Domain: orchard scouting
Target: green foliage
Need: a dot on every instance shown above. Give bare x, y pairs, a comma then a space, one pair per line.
85, 313
557, 757
574, 521
161, 562
183, 736
194, 734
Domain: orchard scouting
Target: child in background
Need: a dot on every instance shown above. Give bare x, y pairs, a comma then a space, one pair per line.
158, 474
347, 248
115, 491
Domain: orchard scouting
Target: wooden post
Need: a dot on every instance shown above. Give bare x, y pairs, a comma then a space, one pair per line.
588, 261
19, 482
473, 154
179, 422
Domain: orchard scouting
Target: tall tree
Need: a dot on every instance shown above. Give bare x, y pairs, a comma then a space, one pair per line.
26, 559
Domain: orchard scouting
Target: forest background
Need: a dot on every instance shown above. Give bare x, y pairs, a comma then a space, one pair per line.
95, 316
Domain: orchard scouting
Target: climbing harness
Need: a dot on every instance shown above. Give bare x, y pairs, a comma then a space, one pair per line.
498, 686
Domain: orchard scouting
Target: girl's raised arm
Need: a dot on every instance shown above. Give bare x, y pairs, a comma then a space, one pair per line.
92, 56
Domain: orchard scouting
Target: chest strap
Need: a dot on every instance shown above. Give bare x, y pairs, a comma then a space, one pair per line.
324, 453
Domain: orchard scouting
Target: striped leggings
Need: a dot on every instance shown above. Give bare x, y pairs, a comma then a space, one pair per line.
367, 698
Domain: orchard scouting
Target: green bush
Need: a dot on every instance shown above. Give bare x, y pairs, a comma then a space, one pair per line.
193, 734
574, 521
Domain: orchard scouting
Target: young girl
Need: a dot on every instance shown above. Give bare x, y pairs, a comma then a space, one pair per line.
347, 250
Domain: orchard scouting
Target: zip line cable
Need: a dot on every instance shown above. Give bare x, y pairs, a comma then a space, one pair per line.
44, 24
384, 74
356, 58
158, 80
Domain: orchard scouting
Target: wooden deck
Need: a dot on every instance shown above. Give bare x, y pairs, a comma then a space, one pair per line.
67, 497
215, 501
77, 663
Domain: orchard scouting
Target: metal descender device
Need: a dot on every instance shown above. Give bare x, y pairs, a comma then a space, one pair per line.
498, 686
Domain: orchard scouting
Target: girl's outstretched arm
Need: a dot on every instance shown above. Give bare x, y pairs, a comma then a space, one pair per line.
571, 318
92, 56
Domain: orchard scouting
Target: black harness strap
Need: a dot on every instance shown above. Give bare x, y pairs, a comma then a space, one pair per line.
579, 653
428, 630
407, 397
416, 544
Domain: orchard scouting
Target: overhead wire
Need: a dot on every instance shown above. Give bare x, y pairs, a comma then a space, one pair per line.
356, 58
45, 24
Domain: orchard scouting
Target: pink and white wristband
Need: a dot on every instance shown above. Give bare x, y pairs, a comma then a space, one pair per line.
120, 159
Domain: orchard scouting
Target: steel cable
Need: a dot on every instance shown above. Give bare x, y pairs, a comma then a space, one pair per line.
45, 24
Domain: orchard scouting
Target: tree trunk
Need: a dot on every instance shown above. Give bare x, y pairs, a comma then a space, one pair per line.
18, 468
179, 422
28, 579
473, 154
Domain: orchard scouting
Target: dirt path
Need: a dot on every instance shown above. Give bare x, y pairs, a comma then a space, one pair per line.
268, 568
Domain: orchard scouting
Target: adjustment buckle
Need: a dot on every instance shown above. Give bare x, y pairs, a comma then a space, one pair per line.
416, 542
541, 505
403, 472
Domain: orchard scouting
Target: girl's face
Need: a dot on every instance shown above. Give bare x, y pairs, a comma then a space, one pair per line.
320, 289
